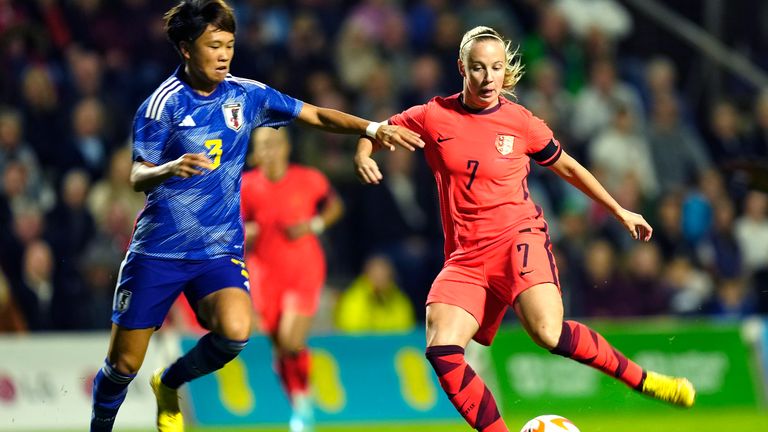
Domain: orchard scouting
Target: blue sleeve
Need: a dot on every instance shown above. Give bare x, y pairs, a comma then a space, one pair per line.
273, 109
149, 137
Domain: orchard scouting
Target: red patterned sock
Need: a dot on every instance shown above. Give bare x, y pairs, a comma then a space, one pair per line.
465, 389
293, 369
585, 345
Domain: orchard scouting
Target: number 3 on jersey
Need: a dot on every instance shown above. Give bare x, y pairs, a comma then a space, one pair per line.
214, 151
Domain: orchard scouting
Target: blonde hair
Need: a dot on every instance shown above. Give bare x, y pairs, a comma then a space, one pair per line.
514, 65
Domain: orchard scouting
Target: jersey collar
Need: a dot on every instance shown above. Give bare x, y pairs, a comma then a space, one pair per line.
483, 111
191, 91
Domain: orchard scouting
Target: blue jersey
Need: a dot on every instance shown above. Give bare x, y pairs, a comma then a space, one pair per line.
199, 217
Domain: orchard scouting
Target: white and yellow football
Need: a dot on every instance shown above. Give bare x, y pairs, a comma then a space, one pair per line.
549, 423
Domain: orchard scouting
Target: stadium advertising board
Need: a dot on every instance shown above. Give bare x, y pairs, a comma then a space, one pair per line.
46, 381
365, 378
713, 357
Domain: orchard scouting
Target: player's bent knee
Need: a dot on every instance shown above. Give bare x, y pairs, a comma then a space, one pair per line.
127, 364
546, 336
236, 329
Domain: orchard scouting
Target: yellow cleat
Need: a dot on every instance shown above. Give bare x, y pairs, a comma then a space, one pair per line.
169, 418
677, 391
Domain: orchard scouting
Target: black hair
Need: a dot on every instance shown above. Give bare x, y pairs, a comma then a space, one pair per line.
186, 21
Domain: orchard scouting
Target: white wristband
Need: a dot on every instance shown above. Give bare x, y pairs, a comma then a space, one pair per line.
372, 128
317, 225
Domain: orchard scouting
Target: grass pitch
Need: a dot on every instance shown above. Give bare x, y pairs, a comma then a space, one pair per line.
673, 420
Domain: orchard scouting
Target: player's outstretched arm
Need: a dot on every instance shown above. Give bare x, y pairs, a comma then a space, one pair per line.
574, 173
336, 121
145, 175
366, 169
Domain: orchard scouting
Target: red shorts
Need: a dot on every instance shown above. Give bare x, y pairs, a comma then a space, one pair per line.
487, 281
274, 292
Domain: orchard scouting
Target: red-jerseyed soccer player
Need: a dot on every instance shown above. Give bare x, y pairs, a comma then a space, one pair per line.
285, 206
497, 248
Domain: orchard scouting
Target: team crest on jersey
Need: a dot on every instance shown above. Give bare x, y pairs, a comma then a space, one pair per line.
122, 300
233, 115
505, 144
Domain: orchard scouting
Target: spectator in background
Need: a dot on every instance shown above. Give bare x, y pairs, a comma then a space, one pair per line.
604, 287
115, 188
70, 225
393, 220
88, 148
595, 105
547, 98
38, 295
552, 41
598, 24
491, 13
660, 81
13, 148
328, 152
11, 317
725, 134
18, 188
570, 250
87, 76
445, 37
697, 206
424, 83
97, 266
585, 17
27, 226
373, 302
752, 231
646, 292
732, 300
44, 125
619, 151
12, 145
759, 136
719, 252
356, 53
377, 94
678, 154
690, 288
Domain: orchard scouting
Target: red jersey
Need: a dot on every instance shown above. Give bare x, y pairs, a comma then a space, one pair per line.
274, 206
481, 161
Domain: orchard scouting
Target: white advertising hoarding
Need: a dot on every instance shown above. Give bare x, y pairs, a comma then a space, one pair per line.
46, 381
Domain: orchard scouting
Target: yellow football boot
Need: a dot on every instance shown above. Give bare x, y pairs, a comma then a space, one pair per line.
677, 391
169, 418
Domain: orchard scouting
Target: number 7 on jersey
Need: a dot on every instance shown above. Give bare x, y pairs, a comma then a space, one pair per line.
472, 164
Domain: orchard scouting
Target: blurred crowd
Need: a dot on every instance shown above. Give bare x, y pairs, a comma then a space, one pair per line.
622, 96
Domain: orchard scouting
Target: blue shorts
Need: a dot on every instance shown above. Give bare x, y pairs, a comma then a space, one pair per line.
147, 286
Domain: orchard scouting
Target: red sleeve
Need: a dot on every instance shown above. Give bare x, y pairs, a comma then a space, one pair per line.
246, 200
322, 186
542, 145
412, 118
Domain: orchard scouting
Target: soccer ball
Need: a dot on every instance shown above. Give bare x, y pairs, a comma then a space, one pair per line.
549, 423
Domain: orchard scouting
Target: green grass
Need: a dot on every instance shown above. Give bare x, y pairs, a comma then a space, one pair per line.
710, 420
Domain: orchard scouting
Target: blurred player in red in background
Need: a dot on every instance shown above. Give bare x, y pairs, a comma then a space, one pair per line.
285, 207
497, 247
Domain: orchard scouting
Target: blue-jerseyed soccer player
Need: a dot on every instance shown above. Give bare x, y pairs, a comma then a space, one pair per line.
189, 145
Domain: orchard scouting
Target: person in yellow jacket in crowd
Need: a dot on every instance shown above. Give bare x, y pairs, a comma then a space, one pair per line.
374, 302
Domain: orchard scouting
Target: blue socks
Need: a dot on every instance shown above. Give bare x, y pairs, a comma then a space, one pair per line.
109, 390
211, 353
